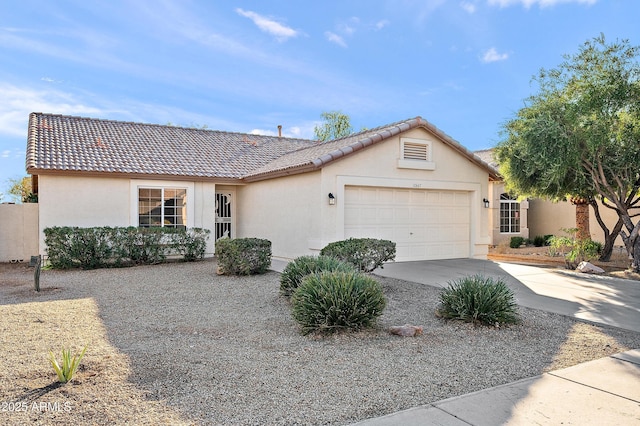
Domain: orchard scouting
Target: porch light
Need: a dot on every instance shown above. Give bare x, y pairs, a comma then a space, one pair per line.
332, 199
486, 203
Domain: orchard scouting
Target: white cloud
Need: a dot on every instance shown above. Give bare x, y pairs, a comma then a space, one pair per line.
270, 26
541, 3
492, 55
335, 38
381, 24
468, 7
18, 102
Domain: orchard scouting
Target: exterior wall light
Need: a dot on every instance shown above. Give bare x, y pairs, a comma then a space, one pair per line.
486, 203
332, 199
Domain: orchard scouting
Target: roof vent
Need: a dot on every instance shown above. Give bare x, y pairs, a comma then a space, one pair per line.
279, 130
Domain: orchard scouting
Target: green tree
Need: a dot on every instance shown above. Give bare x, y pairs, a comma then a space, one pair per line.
336, 125
579, 137
21, 190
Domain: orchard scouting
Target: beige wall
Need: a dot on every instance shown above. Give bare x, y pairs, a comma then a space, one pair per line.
378, 166
92, 201
18, 232
283, 210
546, 217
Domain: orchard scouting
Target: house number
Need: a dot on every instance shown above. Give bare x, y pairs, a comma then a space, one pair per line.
417, 185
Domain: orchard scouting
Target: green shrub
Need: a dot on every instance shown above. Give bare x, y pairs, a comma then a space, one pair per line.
243, 256
478, 299
516, 242
539, 241
366, 254
332, 301
90, 248
573, 249
547, 239
302, 266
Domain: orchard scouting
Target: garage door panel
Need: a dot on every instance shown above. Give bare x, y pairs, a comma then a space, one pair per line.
424, 224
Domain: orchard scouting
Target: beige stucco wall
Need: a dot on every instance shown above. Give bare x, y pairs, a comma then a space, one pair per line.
96, 201
18, 232
378, 166
546, 217
283, 210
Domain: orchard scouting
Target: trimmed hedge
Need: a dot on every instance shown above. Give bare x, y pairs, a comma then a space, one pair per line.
90, 248
296, 271
366, 254
243, 256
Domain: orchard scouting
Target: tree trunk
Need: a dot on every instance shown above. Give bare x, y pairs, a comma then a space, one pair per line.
632, 243
609, 236
582, 218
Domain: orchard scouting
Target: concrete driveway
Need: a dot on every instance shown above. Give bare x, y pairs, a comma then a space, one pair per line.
602, 300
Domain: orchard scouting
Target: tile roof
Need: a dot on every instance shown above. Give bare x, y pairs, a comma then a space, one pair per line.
76, 144
66, 143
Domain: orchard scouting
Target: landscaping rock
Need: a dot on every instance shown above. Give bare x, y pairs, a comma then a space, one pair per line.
589, 268
406, 330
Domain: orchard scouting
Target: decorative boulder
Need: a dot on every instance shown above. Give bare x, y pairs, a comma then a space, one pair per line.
406, 330
589, 268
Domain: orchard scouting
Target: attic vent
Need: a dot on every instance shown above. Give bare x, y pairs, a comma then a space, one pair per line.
415, 151
416, 154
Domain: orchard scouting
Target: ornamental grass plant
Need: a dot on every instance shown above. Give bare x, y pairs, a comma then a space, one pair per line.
296, 271
479, 299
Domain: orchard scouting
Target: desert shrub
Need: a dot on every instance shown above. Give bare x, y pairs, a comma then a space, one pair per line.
478, 299
516, 242
68, 364
88, 248
243, 256
332, 301
547, 239
295, 271
366, 254
573, 249
538, 241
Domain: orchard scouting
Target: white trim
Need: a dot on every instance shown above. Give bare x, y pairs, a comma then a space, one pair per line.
473, 188
135, 184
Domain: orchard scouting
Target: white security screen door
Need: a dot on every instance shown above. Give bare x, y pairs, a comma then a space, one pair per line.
223, 215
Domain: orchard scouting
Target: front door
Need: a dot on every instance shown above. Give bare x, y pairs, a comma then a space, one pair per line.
224, 215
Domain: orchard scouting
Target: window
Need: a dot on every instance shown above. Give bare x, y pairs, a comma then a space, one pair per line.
415, 154
509, 214
162, 207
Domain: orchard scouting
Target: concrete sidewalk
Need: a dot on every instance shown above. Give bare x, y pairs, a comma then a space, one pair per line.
600, 392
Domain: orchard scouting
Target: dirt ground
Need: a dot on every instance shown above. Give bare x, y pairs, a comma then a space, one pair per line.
153, 358
617, 267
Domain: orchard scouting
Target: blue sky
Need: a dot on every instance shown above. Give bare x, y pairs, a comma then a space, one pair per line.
248, 66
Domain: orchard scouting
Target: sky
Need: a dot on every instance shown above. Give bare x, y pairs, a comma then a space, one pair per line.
466, 66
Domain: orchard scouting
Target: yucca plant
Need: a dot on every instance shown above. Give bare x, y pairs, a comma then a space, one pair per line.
479, 299
69, 365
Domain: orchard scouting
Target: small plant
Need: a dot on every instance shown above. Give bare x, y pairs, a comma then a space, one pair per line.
516, 242
479, 299
302, 266
69, 365
366, 254
538, 241
243, 256
331, 301
573, 249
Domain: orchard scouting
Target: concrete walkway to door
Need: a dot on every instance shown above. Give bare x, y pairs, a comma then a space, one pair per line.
598, 299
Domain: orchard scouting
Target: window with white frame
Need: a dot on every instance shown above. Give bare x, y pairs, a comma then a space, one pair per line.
416, 154
164, 207
509, 214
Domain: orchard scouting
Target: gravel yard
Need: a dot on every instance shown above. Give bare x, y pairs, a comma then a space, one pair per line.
177, 344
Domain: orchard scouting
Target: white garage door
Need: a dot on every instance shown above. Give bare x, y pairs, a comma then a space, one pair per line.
424, 224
